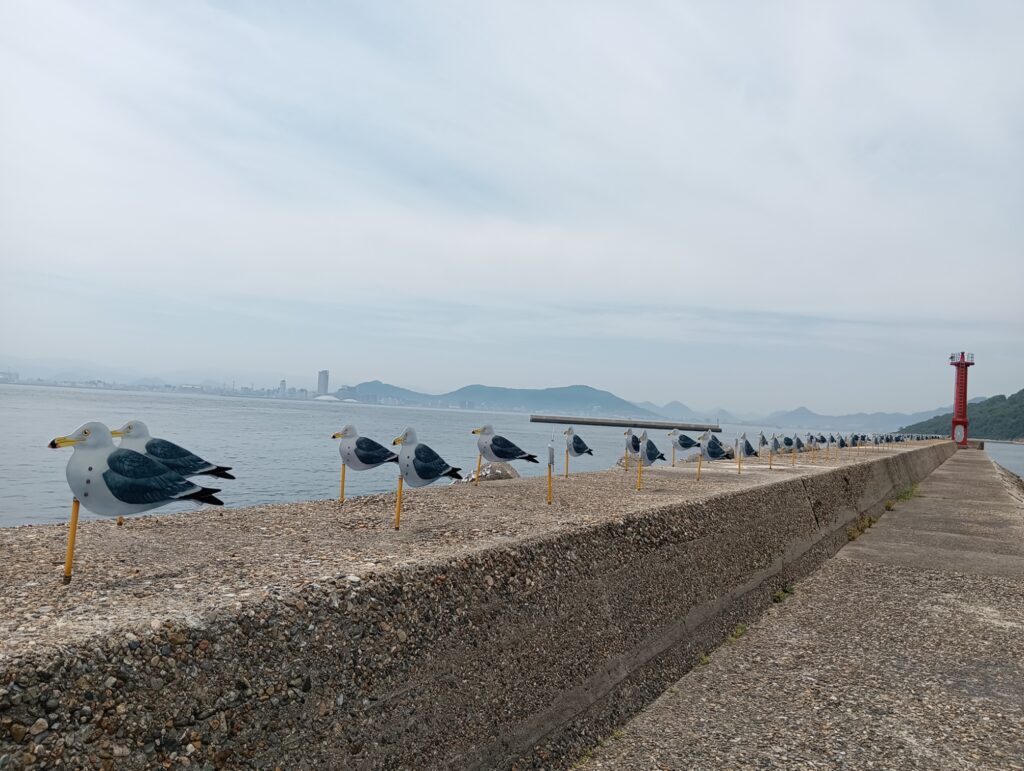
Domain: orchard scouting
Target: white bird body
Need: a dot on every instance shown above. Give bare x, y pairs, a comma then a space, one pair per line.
498, 449
85, 478
418, 464
632, 443
575, 444
360, 453
649, 453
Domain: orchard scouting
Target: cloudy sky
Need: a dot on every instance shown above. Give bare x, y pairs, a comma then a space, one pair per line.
755, 205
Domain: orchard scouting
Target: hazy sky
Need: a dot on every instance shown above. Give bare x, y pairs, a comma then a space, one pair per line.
755, 205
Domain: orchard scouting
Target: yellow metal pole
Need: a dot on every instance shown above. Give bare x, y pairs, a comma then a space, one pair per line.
549, 485
769, 458
479, 460
792, 458
673, 454
739, 463
398, 505
566, 462
700, 460
341, 494
639, 472
72, 532
625, 459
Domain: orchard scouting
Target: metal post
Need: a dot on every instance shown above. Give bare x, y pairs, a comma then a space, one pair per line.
72, 532
398, 505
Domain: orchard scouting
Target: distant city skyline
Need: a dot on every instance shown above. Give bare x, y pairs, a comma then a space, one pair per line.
792, 205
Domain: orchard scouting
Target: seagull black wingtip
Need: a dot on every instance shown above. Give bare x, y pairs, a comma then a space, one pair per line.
531, 459
204, 495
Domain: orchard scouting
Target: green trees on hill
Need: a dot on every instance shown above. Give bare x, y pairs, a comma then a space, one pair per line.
1000, 417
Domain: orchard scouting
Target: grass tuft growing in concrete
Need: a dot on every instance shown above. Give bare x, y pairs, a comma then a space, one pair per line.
737, 632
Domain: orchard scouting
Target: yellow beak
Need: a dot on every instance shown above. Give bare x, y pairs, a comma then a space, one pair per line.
62, 441
337, 435
397, 440
476, 430
117, 432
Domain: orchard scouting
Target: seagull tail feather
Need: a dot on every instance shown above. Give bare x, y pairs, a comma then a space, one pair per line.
204, 495
589, 451
453, 473
531, 459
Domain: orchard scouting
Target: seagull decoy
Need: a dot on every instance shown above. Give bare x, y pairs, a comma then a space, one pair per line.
362, 453
575, 444
746, 448
135, 436
113, 481
649, 452
419, 464
681, 440
359, 453
632, 443
498, 449
711, 448
574, 447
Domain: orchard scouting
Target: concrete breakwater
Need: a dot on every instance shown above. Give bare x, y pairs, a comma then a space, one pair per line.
519, 649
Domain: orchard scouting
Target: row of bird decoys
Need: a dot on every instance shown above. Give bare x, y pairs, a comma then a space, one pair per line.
144, 472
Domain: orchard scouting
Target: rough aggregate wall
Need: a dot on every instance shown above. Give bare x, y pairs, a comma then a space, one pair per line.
512, 657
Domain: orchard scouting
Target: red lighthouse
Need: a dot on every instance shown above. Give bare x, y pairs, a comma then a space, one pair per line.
961, 361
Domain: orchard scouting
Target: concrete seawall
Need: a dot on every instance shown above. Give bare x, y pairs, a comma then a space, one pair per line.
520, 653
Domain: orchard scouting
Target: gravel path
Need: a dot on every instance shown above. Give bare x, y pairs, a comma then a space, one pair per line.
905, 651
183, 565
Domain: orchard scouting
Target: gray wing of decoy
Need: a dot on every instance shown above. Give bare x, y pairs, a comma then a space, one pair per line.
634, 442
685, 442
578, 445
176, 458
134, 478
427, 463
505, 449
373, 453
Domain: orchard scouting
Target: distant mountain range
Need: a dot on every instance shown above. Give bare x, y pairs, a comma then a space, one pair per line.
1001, 417
802, 417
574, 399
585, 400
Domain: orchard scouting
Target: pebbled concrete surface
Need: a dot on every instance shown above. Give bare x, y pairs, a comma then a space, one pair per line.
906, 650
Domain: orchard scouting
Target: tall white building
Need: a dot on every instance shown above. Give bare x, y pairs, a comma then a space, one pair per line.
321, 381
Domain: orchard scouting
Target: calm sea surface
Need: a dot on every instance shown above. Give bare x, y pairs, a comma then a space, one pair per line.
1009, 456
279, 450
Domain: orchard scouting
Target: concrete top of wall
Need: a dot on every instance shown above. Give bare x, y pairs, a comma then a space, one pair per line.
191, 567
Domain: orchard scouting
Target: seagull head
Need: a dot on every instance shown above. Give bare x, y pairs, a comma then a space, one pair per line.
345, 433
484, 430
408, 437
674, 432
628, 432
643, 435
90, 435
132, 428
569, 431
